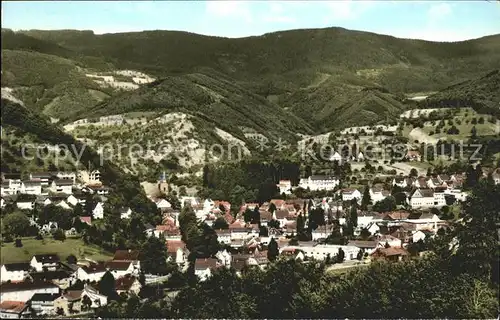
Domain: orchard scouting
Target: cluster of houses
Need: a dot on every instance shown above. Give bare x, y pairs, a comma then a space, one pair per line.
388, 233
60, 188
46, 286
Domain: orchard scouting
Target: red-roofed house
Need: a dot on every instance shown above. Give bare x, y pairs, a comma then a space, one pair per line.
13, 309
177, 252
203, 267
87, 220
127, 284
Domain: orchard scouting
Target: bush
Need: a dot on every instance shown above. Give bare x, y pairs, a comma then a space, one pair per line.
59, 235
18, 243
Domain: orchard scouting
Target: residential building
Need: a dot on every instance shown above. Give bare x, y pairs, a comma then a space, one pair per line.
70, 302
91, 177
389, 240
390, 254
91, 272
13, 310
427, 198
421, 235
350, 194
23, 291
163, 204
98, 300
131, 256
42, 262
224, 236
285, 187
98, 211
31, 187
42, 304
14, 272
377, 195
319, 182
66, 176
177, 252
366, 246
203, 267
62, 186
128, 285
125, 213
321, 251
413, 155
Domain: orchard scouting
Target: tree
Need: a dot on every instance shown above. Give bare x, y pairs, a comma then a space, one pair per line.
106, 285
385, 205
18, 243
367, 199
478, 249
255, 216
340, 256
16, 224
59, 235
247, 215
353, 217
300, 223
471, 177
413, 172
187, 223
365, 234
220, 223
274, 224
272, 208
86, 302
154, 256
429, 172
71, 259
272, 250
473, 133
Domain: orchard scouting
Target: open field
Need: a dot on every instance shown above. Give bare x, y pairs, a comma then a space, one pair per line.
11, 254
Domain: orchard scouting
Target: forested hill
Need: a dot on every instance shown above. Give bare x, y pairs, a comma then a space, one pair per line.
320, 75
20, 126
482, 94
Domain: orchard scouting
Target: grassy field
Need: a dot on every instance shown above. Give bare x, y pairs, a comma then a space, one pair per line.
11, 254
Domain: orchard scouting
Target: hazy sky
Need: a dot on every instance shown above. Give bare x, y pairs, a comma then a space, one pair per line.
431, 20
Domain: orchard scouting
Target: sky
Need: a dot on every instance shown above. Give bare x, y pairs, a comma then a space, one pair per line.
428, 20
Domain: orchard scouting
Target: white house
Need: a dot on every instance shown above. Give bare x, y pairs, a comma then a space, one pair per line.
14, 310
377, 195
350, 194
92, 177
42, 304
203, 267
74, 200
66, 176
336, 157
427, 198
63, 204
224, 258
421, 235
62, 186
98, 300
98, 211
224, 236
23, 291
163, 204
285, 187
44, 177
177, 252
392, 241
321, 251
14, 272
39, 262
92, 272
25, 205
31, 187
318, 182
125, 213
